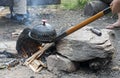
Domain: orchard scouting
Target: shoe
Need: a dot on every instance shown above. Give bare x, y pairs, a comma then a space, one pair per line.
21, 18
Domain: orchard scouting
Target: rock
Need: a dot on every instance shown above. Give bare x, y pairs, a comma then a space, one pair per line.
8, 46
107, 1
116, 68
1, 8
84, 45
16, 33
8, 49
98, 63
56, 63
94, 7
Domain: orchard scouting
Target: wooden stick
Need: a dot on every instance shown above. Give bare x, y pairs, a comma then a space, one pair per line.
39, 53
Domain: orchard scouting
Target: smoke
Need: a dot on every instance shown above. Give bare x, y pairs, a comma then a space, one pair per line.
42, 2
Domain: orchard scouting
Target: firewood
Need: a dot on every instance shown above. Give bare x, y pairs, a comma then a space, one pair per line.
38, 53
33, 62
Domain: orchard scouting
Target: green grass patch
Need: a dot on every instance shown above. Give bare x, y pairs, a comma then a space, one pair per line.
73, 4
81, 3
68, 4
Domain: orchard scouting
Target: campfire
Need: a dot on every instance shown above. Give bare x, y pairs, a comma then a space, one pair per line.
91, 46
96, 48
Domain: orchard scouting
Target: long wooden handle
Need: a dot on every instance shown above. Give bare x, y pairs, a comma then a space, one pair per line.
82, 24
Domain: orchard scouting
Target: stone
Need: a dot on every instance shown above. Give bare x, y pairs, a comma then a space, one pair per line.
8, 46
94, 7
107, 1
57, 63
84, 45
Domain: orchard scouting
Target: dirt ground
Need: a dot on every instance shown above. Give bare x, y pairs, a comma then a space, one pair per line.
61, 20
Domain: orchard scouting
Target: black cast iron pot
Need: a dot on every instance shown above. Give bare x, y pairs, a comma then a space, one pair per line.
44, 33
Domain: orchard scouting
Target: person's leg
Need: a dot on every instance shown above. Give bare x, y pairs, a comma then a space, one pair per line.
20, 6
19, 10
20, 13
116, 24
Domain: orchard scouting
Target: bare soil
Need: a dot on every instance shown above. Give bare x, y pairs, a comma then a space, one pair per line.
61, 20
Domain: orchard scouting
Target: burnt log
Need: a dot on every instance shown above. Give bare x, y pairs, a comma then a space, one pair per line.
94, 7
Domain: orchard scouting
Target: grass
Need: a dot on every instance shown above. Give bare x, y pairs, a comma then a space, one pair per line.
73, 4
81, 3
